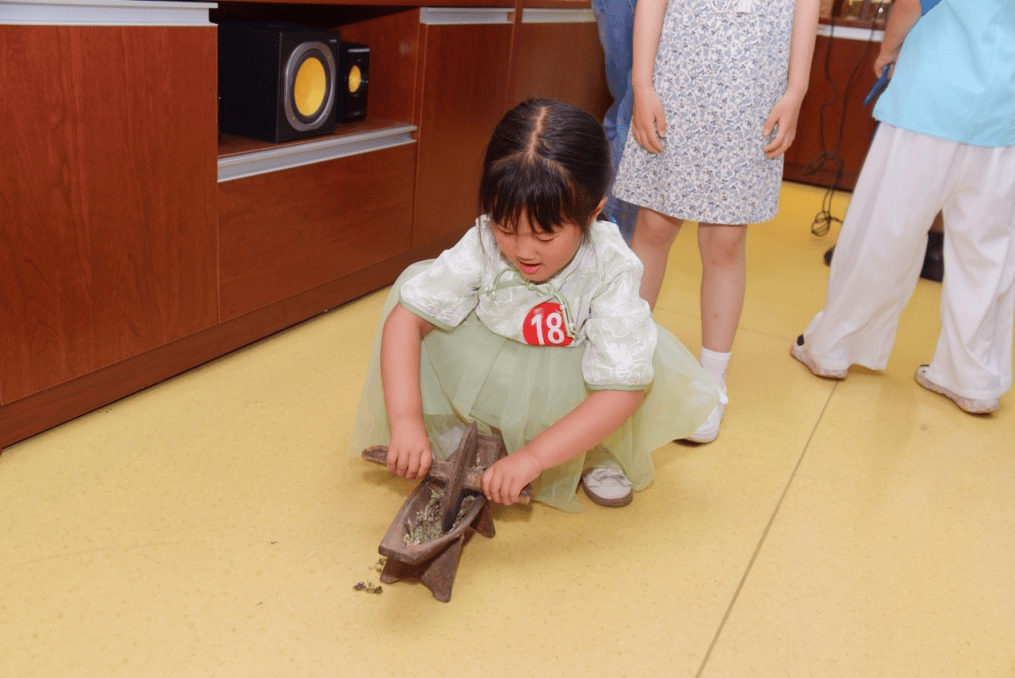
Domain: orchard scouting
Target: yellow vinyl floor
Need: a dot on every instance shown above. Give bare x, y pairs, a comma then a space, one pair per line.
216, 524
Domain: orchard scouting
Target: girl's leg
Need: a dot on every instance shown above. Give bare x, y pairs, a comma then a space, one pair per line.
974, 350
723, 281
654, 234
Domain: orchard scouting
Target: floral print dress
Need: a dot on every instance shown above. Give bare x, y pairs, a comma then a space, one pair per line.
718, 72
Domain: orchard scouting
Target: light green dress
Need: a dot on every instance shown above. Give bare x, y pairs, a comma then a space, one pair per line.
517, 356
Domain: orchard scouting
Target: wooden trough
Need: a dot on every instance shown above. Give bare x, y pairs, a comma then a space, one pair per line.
449, 497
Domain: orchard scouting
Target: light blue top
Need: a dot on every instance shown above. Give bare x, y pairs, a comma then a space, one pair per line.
955, 77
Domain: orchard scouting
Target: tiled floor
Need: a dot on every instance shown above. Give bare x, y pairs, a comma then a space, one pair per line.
215, 525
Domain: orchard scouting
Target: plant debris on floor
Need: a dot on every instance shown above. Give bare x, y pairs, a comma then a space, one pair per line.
370, 587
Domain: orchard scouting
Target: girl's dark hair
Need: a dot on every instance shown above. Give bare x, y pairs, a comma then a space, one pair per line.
548, 160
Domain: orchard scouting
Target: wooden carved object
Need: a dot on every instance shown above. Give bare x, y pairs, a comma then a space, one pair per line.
449, 498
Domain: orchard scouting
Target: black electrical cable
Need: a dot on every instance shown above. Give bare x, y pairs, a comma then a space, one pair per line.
824, 219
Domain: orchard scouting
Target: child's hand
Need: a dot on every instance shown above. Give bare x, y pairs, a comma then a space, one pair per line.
504, 481
409, 451
784, 114
648, 120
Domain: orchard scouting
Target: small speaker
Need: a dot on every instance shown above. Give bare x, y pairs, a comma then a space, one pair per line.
278, 81
354, 69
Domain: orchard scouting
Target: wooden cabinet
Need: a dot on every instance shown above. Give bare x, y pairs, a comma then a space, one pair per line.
107, 220
317, 214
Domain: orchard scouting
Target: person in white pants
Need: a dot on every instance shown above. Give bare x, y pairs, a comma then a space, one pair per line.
946, 143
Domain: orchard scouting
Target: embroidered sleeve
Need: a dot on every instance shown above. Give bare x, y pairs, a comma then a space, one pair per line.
621, 333
446, 292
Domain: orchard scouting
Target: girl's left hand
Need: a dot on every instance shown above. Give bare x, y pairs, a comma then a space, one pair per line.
784, 114
504, 481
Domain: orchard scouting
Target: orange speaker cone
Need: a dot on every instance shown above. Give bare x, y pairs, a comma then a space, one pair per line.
355, 78
310, 87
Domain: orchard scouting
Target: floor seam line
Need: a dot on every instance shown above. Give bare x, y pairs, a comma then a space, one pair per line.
764, 536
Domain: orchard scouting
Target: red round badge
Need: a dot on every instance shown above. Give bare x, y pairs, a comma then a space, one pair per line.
544, 325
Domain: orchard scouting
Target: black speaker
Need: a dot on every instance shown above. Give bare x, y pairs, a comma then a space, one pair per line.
278, 81
354, 70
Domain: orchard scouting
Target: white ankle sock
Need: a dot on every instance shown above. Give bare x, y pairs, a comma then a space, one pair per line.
715, 364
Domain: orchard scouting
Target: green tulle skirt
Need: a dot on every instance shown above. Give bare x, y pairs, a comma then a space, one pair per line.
471, 374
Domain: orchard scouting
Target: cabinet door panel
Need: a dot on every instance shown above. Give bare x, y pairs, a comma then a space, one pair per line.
562, 61
465, 76
107, 213
287, 232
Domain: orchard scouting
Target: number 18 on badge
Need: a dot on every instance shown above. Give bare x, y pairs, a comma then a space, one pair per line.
544, 325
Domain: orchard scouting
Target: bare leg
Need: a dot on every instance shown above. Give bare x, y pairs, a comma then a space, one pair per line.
654, 234
723, 282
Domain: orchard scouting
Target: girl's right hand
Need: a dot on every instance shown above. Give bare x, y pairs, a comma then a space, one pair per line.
409, 453
648, 120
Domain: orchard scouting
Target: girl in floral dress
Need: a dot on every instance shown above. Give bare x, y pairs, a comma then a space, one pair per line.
717, 90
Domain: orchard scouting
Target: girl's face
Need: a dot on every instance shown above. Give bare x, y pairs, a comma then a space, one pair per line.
538, 256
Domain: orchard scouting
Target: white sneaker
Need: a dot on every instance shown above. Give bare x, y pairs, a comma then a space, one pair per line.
607, 487
709, 429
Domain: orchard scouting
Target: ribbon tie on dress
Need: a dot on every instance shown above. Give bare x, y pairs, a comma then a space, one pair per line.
542, 288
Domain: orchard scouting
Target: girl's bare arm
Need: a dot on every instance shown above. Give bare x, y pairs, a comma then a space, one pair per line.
801, 46
409, 453
786, 111
648, 120
582, 429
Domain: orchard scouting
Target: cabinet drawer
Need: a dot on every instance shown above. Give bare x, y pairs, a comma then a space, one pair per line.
286, 232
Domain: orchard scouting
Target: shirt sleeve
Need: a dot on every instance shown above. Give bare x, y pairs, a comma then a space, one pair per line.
448, 290
621, 333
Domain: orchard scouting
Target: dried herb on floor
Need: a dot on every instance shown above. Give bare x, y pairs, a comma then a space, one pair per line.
370, 587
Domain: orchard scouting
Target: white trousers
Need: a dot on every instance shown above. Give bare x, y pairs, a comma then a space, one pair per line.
906, 180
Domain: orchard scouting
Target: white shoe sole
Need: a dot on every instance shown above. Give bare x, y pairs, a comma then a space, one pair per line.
968, 405
800, 352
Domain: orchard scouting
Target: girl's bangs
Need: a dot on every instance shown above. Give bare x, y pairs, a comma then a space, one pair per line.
545, 198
